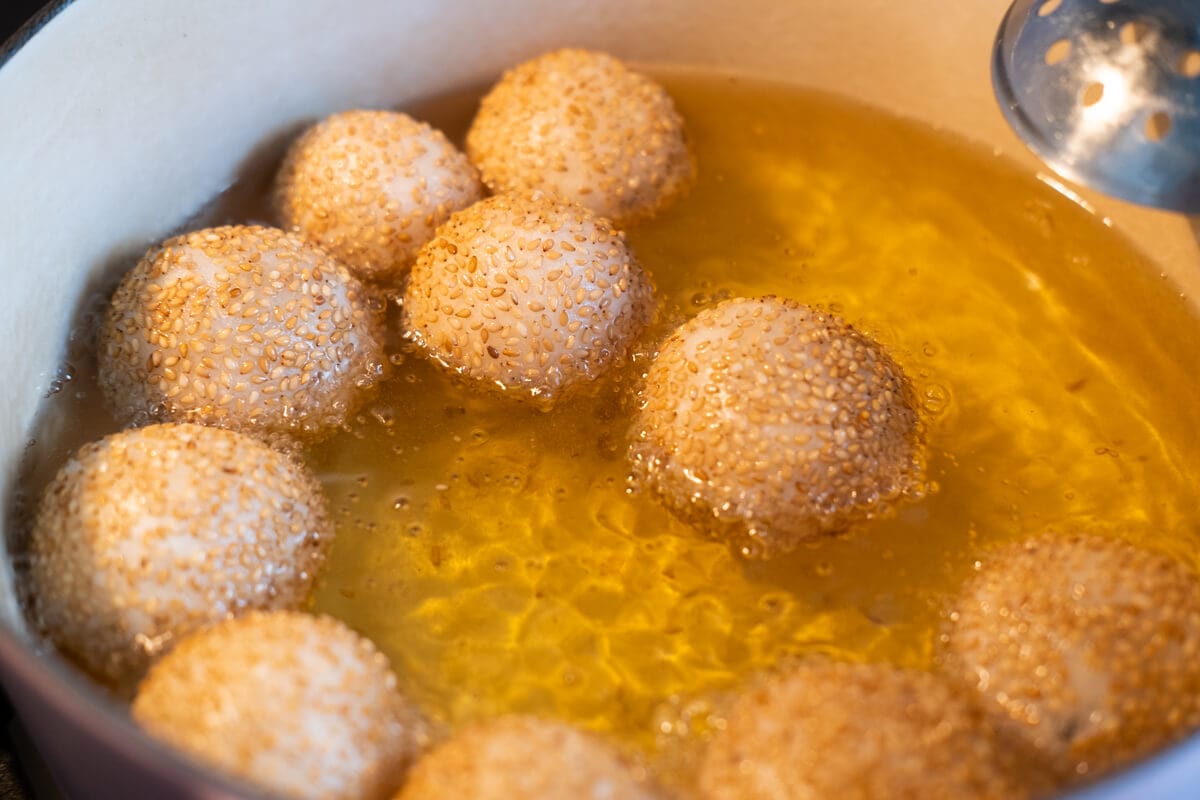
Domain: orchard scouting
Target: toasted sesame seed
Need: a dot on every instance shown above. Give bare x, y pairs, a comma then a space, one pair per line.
371, 187
1085, 649
528, 758
826, 729
583, 126
297, 704
162, 516
161, 317
769, 444
436, 309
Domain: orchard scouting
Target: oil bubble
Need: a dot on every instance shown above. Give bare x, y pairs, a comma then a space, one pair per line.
935, 399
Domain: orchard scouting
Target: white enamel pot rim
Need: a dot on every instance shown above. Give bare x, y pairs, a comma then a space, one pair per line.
120, 118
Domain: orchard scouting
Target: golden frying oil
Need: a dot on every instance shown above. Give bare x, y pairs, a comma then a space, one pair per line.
494, 553
493, 550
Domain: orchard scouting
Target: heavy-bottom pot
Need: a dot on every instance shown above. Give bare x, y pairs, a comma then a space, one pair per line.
120, 118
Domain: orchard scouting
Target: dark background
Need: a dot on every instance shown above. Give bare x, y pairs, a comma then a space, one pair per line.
13, 14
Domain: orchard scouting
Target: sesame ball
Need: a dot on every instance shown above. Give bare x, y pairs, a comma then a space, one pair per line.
1086, 650
150, 533
371, 187
298, 705
527, 758
243, 327
527, 293
826, 729
770, 422
582, 125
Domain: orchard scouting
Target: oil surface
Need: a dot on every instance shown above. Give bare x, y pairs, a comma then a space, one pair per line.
494, 551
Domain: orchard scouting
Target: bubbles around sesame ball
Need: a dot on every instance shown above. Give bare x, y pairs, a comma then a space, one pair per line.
770, 422
244, 327
582, 125
371, 187
154, 532
298, 705
527, 758
826, 729
528, 293
1086, 650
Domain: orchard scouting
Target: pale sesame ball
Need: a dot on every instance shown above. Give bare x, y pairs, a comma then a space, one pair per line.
582, 125
371, 187
298, 705
826, 729
770, 422
244, 327
1086, 650
528, 293
153, 532
525, 758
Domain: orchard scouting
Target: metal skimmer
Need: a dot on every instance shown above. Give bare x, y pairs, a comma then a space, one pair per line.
1107, 93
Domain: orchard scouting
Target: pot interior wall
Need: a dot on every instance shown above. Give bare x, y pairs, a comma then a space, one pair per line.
121, 118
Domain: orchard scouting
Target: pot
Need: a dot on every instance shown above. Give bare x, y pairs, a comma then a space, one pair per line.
123, 117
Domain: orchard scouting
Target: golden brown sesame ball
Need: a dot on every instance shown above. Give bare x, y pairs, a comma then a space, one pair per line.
296, 704
583, 126
244, 327
1086, 650
371, 186
154, 532
771, 422
826, 729
528, 293
526, 758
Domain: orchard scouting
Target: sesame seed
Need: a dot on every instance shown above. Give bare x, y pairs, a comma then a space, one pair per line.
170, 502
523, 757
702, 411
583, 126
370, 187
1088, 647
544, 354
822, 728
142, 374
299, 705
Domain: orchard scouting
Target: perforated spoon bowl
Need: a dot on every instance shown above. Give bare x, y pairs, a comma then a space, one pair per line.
1107, 93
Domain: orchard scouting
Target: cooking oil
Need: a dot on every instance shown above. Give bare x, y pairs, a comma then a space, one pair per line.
497, 553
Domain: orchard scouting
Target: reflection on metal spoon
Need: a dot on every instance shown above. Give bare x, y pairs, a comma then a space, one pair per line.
1107, 92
